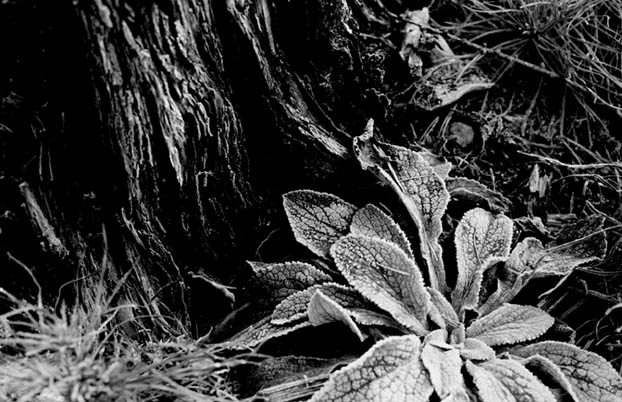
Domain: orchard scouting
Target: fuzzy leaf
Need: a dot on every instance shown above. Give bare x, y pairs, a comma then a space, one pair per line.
284, 279
420, 189
444, 368
474, 349
506, 290
371, 221
370, 317
391, 371
522, 384
542, 365
317, 219
384, 274
261, 332
593, 379
488, 387
510, 324
482, 239
473, 191
438, 163
323, 310
294, 307
530, 257
443, 308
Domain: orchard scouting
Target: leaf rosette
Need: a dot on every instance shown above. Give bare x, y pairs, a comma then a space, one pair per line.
392, 289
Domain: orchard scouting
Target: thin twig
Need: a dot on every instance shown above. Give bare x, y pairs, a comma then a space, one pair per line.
553, 161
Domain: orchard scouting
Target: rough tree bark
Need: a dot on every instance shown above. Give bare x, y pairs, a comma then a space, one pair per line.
169, 132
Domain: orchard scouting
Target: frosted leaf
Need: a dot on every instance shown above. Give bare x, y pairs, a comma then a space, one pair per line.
522, 384
593, 379
506, 290
371, 221
317, 219
391, 371
444, 369
323, 310
530, 257
443, 308
261, 332
539, 364
471, 190
420, 189
371, 317
384, 274
584, 238
474, 349
294, 307
481, 239
510, 324
488, 387
439, 164
284, 279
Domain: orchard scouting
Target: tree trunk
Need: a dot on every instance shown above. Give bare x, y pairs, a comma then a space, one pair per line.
153, 140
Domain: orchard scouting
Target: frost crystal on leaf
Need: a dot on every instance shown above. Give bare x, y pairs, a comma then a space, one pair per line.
371, 221
284, 279
391, 371
317, 219
481, 239
384, 274
510, 324
593, 379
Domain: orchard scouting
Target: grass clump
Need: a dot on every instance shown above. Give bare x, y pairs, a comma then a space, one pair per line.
578, 41
80, 355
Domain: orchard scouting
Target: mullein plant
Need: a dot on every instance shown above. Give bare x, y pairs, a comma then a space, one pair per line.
460, 344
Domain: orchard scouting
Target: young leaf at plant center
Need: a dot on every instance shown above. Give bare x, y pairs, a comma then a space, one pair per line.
447, 315
420, 189
481, 239
294, 307
371, 221
391, 371
317, 219
474, 349
284, 279
384, 274
593, 378
323, 310
522, 384
260, 332
471, 190
510, 324
444, 368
